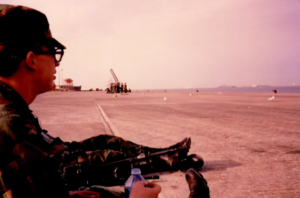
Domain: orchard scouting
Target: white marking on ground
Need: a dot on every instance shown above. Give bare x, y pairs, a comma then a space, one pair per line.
106, 127
110, 125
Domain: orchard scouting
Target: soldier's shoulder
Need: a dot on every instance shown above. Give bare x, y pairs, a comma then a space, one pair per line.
10, 121
7, 114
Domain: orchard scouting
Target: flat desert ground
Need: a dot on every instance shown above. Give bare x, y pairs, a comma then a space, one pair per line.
250, 145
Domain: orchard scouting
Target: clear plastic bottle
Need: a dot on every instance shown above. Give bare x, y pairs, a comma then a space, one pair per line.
135, 177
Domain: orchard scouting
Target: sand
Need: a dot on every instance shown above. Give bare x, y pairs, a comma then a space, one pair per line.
250, 145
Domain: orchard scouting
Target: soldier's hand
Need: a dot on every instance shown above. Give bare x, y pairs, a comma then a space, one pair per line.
140, 190
84, 194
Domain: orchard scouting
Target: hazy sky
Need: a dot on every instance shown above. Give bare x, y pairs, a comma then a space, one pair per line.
176, 43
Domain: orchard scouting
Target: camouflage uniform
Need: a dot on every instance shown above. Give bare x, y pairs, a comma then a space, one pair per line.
25, 167
30, 158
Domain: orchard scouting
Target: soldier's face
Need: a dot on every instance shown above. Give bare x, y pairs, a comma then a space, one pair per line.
46, 71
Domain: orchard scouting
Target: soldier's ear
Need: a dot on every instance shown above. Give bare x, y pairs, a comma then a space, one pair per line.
30, 61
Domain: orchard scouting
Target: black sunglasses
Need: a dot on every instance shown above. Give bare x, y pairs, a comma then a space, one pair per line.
57, 53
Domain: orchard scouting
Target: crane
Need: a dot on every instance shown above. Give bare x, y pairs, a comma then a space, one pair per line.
115, 87
114, 75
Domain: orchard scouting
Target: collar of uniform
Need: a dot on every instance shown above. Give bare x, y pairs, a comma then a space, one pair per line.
11, 97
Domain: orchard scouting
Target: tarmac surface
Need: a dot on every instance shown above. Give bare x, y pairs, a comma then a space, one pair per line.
251, 146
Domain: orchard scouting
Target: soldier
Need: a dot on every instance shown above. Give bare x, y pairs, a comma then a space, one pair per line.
112, 87
29, 157
118, 87
125, 88
122, 87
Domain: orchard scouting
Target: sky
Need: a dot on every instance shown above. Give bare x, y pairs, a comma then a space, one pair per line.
170, 44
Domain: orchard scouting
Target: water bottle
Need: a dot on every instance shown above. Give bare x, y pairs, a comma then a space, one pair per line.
135, 177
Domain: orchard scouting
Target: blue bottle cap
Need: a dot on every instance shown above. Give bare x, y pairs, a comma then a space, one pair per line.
135, 171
